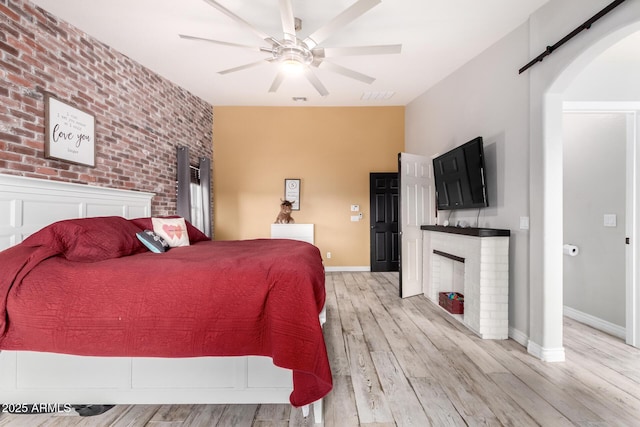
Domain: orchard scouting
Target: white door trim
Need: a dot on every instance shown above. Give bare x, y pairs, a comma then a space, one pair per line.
632, 274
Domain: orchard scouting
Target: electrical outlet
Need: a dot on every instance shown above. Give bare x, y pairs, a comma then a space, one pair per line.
355, 208
328, 255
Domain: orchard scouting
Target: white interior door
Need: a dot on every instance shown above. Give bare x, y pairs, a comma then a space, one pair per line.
417, 207
632, 219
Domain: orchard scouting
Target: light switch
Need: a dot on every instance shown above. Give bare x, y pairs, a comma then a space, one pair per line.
610, 220
355, 208
355, 218
524, 223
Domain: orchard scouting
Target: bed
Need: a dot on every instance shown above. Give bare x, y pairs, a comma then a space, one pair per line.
89, 315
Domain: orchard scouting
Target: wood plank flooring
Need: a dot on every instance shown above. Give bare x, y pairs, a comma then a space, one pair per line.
408, 363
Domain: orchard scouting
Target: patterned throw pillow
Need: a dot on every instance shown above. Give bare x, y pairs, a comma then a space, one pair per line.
195, 235
151, 240
173, 230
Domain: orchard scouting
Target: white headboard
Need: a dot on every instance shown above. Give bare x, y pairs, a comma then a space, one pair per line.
28, 204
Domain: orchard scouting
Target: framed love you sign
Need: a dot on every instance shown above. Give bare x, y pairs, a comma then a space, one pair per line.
69, 133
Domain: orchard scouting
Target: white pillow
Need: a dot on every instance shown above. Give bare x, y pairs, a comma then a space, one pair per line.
173, 230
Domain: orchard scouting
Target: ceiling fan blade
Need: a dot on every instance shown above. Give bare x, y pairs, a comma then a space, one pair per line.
347, 72
288, 20
329, 52
315, 81
221, 8
277, 81
244, 46
348, 15
242, 67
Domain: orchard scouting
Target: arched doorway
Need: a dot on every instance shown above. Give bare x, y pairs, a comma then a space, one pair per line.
547, 199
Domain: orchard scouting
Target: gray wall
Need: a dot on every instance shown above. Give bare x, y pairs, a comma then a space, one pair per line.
488, 97
594, 185
612, 77
595, 182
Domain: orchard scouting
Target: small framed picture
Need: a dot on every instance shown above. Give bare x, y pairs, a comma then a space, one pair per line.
292, 192
70, 133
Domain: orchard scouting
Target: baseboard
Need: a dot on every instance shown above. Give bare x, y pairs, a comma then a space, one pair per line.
596, 322
518, 336
546, 354
365, 268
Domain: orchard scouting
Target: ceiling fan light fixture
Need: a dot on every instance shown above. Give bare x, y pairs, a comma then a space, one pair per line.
292, 66
293, 57
293, 63
298, 56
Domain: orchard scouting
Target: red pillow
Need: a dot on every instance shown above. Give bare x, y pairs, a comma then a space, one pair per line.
195, 235
90, 239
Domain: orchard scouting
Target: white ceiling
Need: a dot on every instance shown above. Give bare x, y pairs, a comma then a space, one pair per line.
437, 37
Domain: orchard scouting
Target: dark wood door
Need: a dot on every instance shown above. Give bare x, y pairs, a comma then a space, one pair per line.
384, 199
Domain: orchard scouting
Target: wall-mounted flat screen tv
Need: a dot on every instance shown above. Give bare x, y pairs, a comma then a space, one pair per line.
460, 177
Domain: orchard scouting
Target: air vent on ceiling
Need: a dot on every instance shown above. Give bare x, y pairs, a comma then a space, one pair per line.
377, 96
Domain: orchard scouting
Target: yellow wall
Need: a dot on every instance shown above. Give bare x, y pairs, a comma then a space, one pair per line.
331, 149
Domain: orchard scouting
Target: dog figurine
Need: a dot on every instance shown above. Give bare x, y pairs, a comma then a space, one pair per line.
284, 217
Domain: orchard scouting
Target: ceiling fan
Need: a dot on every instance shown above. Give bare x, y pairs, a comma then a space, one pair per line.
292, 53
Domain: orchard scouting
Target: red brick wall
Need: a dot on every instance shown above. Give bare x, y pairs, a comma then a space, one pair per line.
140, 117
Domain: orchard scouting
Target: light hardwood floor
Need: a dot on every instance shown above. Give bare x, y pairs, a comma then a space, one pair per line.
407, 362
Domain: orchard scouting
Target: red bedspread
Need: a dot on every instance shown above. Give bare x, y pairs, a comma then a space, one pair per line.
222, 298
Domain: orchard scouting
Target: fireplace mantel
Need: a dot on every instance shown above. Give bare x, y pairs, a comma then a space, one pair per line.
467, 231
479, 258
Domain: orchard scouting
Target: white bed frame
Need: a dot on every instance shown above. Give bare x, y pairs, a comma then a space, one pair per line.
27, 205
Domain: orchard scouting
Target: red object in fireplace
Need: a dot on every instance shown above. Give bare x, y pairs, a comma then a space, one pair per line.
453, 302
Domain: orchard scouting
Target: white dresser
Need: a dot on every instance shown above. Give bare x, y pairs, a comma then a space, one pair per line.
302, 232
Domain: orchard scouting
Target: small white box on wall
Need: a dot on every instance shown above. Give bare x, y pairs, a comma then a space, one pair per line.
610, 220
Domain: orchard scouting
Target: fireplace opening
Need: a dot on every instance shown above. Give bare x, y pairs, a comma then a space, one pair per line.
450, 275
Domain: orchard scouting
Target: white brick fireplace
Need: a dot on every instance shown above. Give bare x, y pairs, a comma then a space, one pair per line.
481, 257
